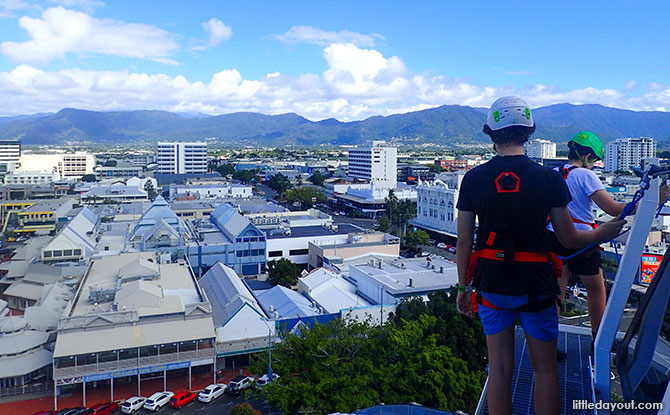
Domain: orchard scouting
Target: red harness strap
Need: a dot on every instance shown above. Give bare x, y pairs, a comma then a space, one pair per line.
593, 225
537, 257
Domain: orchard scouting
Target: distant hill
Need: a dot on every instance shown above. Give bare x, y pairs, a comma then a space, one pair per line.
445, 124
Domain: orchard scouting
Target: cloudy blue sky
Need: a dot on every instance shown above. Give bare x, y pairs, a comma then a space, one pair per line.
343, 59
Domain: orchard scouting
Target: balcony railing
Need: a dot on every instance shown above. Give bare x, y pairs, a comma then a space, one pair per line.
124, 364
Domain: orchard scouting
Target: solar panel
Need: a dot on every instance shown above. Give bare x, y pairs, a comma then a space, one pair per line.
574, 374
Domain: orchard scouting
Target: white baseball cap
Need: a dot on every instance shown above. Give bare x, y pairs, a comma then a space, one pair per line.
509, 111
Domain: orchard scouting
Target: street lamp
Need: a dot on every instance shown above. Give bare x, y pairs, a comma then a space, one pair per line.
269, 349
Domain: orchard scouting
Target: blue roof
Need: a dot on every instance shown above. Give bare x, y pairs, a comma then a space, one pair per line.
229, 221
286, 302
302, 231
159, 211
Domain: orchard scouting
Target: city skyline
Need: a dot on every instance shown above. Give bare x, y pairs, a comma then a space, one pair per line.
346, 61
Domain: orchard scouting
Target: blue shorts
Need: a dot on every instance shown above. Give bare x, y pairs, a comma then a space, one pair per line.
541, 325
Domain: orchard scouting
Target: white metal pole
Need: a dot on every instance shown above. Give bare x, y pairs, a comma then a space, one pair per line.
630, 262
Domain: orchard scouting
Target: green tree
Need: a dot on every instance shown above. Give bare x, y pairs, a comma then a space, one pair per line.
88, 178
151, 192
243, 409
435, 168
416, 238
279, 183
283, 272
384, 224
225, 169
246, 176
317, 178
306, 196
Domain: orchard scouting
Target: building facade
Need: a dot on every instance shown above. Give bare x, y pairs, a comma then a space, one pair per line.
181, 157
624, 153
10, 152
376, 162
436, 204
73, 165
540, 149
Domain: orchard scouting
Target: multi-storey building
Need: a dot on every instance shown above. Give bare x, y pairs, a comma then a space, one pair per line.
436, 204
73, 165
181, 157
540, 149
10, 152
376, 162
624, 153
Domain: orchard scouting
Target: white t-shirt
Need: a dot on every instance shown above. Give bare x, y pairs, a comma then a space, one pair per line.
582, 183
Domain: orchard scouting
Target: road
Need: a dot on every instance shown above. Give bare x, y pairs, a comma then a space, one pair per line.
220, 406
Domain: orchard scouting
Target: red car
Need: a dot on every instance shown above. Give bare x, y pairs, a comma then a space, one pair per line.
102, 409
182, 398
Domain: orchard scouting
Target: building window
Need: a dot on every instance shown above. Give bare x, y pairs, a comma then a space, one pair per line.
58, 253
274, 254
298, 252
47, 254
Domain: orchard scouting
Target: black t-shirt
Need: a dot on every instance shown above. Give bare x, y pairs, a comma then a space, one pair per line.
521, 216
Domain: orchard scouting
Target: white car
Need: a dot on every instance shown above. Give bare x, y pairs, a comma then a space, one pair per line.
240, 383
158, 400
442, 245
212, 392
132, 405
264, 380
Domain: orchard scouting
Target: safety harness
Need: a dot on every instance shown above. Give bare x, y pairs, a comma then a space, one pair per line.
565, 172
500, 245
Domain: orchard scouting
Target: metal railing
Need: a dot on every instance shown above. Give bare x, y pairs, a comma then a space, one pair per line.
31, 388
144, 361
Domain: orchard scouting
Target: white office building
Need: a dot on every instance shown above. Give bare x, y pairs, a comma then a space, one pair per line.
181, 157
436, 204
73, 165
10, 152
624, 153
540, 149
376, 162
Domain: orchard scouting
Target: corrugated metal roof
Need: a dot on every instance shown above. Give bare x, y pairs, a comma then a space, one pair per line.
25, 363
229, 220
286, 302
226, 293
22, 341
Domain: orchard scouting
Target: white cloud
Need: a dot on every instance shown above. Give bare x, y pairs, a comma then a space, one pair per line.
9, 7
59, 32
310, 34
357, 84
217, 31
86, 5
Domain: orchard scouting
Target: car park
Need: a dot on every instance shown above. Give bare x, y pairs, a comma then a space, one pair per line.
102, 409
181, 399
212, 392
71, 411
265, 379
132, 405
240, 383
158, 400
442, 245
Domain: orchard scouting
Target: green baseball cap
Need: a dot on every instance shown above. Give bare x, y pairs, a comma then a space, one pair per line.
590, 140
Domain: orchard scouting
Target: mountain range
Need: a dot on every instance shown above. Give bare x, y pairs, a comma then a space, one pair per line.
442, 125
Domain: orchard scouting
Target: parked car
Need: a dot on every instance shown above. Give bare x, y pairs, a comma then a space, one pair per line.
102, 409
71, 411
240, 383
442, 245
432, 241
158, 400
452, 249
182, 398
212, 392
44, 413
265, 379
132, 405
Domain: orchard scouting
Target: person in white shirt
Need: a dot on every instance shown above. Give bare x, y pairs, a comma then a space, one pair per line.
586, 189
